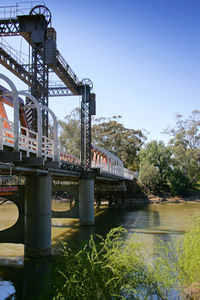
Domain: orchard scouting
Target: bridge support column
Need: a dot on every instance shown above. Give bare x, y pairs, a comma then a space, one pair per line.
38, 216
86, 201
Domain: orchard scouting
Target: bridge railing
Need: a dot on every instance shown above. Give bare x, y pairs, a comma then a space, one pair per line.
10, 51
28, 139
28, 142
100, 165
106, 161
6, 133
128, 174
47, 147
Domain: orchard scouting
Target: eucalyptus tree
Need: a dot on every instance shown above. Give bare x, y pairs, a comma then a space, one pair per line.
70, 133
123, 142
185, 145
155, 167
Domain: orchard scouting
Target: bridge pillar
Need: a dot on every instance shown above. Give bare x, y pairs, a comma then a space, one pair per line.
86, 201
37, 238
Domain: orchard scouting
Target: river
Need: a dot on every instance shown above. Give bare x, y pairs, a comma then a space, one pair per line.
166, 221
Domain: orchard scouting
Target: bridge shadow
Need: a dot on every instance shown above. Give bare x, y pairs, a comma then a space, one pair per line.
155, 218
105, 219
31, 281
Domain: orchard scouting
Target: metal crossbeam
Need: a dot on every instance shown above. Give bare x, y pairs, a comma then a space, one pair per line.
21, 71
65, 73
9, 27
59, 91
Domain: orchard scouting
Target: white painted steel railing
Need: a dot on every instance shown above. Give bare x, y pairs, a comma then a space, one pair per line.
28, 140
128, 174
107, 162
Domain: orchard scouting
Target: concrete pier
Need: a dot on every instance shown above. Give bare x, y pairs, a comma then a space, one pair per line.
37, 238
86, 201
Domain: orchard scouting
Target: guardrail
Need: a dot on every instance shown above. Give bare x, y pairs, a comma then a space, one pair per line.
28, 140
128, 174
67, 68
16, 55
12, 11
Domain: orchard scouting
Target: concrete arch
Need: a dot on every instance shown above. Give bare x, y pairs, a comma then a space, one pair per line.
74, 212
15, 233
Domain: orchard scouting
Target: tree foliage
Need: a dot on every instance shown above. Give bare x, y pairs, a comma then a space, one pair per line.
106, 132
174, 168
123, 142
155, 167
186, 132
178, 182
70, 133
185, 145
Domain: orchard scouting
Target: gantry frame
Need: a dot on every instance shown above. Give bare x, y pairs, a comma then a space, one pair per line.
42, 39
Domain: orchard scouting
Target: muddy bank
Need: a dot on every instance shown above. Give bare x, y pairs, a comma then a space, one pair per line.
156, 199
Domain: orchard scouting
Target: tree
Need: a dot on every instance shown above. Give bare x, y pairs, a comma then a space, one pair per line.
186, 132
106, 132
155, 166
178, 182
70, 133
185, 143
123, 142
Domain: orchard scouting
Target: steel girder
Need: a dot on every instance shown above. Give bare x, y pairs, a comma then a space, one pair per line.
9, 27
59, 91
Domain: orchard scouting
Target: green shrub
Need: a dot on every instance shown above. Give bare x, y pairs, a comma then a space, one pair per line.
105, 269
177, 264
113, 269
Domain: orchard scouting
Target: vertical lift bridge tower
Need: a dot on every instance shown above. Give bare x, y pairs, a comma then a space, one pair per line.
36, 29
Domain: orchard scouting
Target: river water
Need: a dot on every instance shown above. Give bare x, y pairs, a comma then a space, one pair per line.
165, 221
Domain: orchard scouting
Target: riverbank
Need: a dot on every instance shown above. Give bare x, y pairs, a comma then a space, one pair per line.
152, 199
177, 199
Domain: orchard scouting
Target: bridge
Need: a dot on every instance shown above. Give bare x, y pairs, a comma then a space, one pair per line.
27, 149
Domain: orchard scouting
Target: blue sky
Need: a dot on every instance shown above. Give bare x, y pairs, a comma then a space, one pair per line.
143, 57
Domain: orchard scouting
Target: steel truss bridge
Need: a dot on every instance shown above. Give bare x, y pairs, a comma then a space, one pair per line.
25, 147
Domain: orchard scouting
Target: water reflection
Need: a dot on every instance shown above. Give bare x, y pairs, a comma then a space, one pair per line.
12, 279
156, 218
37, 279
7, 290
32, 281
